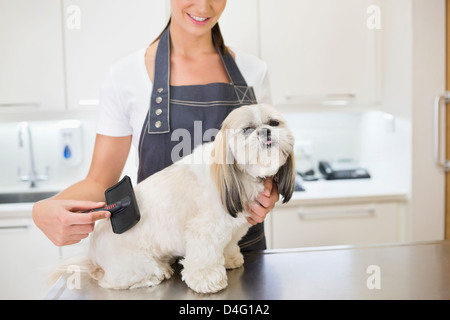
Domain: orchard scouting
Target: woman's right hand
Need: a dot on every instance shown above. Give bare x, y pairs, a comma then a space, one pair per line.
62, 221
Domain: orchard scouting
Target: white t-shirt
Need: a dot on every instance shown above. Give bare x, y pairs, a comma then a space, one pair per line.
125, 94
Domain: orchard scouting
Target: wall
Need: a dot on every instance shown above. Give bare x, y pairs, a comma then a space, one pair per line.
48, 145
48, 149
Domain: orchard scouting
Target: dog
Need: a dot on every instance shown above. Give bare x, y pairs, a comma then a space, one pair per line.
195, 208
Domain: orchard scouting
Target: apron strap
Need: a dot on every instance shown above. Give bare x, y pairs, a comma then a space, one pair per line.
243, 92
230, 66
158, 114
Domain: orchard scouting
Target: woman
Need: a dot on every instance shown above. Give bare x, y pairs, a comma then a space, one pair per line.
190, 78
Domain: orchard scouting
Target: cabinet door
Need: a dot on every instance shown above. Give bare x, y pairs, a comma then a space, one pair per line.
100, 32
319, 50
27, 256
307, 226
31, 58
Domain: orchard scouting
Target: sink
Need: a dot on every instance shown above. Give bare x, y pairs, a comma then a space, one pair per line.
21, 197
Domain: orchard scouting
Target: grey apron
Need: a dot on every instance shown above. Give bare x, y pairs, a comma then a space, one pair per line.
196, 111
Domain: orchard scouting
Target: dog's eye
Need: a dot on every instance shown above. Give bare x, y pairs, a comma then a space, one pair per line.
248, 129
274, 123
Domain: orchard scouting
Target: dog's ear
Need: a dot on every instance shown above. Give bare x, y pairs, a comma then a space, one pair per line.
225, 175
285, 178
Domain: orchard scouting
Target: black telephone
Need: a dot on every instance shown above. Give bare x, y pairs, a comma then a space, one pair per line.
334, 174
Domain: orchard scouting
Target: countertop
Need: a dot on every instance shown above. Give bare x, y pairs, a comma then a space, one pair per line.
345, 191
396, 271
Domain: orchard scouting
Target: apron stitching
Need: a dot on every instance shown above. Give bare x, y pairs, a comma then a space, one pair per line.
141, 143
147, 126
168, 83
238, 103
205, 103
241, 93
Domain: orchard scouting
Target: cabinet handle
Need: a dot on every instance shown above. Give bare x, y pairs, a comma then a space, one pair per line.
15, 227
89, 102
19, 104
325, 99
440, 103
363, 212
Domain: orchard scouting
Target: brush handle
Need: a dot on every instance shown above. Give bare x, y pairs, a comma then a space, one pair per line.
113, 207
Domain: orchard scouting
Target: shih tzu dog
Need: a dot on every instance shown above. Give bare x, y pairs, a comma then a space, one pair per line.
195, 209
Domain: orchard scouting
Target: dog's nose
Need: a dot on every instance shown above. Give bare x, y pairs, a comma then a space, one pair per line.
265, 134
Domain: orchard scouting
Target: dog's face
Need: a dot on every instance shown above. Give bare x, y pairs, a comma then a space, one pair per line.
254, 140
258, 139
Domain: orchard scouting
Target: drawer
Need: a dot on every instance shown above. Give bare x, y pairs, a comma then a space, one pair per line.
26, 256
305, 226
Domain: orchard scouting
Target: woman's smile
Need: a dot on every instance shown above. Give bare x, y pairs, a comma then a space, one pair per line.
198, 20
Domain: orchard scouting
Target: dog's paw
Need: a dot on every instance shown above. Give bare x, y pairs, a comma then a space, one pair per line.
234, 260
205, 280
133, 279
154, 279
107, 285
149, 282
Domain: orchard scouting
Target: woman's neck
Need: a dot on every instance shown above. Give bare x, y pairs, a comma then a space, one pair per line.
188, 45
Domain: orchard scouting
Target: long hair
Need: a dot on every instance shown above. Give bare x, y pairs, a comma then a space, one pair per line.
217, 36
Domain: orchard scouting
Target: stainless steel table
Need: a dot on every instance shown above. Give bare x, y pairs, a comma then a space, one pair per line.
397, 271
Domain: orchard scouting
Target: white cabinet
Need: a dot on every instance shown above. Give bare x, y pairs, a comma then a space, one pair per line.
320, 50
31, 58
26, 257
98, 33
239, 25
340, 224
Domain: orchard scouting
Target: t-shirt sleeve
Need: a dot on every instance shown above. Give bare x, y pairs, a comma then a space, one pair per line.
265, 93
113, 119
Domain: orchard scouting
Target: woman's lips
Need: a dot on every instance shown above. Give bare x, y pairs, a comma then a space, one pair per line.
198, 20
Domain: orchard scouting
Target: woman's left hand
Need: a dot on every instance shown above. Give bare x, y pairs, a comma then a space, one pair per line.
265, 202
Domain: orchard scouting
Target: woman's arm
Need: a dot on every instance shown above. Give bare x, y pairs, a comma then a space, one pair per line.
58, 216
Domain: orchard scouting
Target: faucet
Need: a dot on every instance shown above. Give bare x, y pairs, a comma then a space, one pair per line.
32, 176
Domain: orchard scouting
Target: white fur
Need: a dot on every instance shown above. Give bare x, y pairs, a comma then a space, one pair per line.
182, 215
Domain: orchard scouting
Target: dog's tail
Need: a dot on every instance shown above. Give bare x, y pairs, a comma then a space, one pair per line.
79, 263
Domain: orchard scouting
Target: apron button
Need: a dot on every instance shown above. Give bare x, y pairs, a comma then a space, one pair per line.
158, 100
158, 112
158, 124
160, 90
